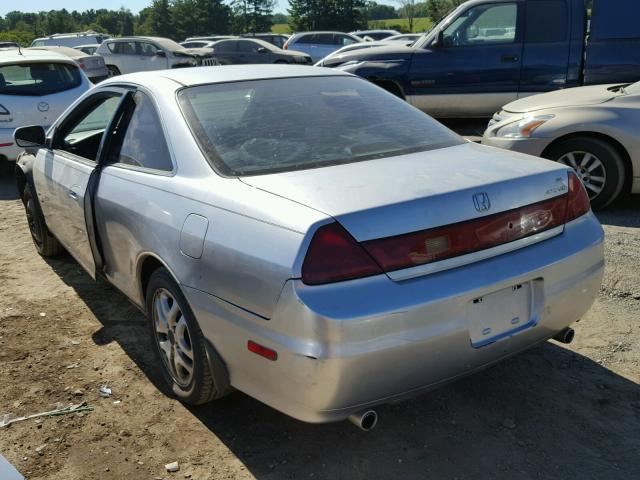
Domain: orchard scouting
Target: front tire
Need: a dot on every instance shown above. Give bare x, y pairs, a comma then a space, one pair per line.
46, 244
180, 344
597, 163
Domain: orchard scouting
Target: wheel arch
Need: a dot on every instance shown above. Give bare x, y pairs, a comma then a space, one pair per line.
624, 154
390, 86
23, 172
147, 264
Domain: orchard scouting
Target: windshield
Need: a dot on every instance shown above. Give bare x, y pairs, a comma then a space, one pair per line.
37, 79
278, 125
168, 44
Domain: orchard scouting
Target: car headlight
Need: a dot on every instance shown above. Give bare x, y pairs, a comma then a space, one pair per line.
524, 127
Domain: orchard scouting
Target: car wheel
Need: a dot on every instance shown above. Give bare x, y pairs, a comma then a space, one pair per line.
597, 163
46, 244
180, 344
113, 71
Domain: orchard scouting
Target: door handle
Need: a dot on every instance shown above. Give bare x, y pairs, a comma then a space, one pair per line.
510, 58
72, 194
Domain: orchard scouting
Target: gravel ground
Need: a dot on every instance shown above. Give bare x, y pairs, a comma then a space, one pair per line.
553, 412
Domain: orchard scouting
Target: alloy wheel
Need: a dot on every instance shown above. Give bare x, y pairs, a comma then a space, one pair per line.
173, 337
589, 169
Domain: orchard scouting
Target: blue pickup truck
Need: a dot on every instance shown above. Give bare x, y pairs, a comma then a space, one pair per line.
487, 53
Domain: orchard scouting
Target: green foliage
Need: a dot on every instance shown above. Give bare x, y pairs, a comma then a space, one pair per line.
252, 16
341, 15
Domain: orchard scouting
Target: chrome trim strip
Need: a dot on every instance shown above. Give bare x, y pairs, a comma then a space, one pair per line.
462, 260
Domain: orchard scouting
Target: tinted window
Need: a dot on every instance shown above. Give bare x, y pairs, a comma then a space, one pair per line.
255, 127
277, 41
550, 13
343, 40
225, 47
484, 25
83, 136
125, 48
143, 144
247, 46
325, 39
36, 79
615, 21
307, 39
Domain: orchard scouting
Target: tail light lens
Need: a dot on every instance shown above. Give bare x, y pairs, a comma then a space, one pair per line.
432, 245
578, 202
334, 255
286, 45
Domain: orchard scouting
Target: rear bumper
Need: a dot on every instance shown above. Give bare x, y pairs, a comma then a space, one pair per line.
10, 151
351, 345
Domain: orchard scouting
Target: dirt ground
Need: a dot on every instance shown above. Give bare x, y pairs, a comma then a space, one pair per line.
553, 412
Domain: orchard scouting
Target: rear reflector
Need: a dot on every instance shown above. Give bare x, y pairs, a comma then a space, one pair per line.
262, 350
462, 238
334, 255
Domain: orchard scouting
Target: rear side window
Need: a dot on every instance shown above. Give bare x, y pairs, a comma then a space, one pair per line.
247, 46
609, 22
266, 126
37, 79
143, 144
553, 15
307, 39
225, 47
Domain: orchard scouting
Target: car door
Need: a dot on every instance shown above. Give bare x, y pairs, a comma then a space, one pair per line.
63, 173
126, 58
474, 68
150, 57
545, 56
132, 199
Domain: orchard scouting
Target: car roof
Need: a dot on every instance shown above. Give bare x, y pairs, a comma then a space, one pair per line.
66, 51
25, 55
225, 74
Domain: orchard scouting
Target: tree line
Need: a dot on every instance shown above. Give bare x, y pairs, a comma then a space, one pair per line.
179, 19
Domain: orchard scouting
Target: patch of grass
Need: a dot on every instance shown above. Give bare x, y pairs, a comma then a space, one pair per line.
281, 28
420, 25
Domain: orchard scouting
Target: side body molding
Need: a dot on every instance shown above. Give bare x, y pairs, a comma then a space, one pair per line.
192, 235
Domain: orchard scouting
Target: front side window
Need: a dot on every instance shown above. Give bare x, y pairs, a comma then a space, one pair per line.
146, 49
343, 40
491, 24
82, 137
37, 79
225, 47
247, 46
266, 126
143, 144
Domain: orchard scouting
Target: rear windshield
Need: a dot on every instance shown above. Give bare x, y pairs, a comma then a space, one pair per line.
278, 125
37, 79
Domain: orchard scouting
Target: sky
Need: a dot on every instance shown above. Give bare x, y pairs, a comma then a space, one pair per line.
134, 5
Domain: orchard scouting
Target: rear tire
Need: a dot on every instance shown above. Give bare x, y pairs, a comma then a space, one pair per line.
113, 71
46, 244
597, 163
180, 345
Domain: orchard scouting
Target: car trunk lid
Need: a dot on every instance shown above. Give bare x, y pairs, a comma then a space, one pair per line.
399, 195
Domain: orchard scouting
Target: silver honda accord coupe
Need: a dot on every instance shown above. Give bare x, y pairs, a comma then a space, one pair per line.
305, 237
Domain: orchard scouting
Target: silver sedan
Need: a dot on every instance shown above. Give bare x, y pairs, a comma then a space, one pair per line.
305, 237
593, 130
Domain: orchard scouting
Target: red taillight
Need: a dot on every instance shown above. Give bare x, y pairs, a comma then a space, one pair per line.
82, 66
262, 351
427, 246
286, 45
334, 255
578, 202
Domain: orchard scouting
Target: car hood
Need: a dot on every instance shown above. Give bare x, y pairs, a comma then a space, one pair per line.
194, 52
395, 195
572, 97
383, 53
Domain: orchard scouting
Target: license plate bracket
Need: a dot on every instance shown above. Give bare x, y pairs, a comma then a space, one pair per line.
502, 314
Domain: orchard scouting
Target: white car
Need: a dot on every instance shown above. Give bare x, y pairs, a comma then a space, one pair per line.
92, 65
70, 39
36, 86
143, 54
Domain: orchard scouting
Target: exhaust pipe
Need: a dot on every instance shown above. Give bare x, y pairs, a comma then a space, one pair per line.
565, 336
365, 420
